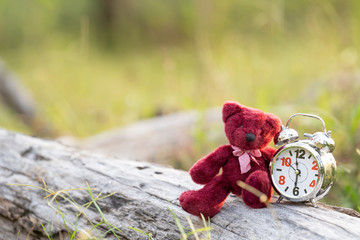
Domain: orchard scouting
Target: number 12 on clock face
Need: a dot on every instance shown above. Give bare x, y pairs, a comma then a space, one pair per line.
295, 172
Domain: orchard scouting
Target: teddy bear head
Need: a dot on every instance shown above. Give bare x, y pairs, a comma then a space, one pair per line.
249, 128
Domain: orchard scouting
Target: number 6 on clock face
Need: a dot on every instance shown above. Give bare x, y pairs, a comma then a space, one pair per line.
295, 173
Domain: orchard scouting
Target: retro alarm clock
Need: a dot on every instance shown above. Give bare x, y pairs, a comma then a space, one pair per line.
303, 170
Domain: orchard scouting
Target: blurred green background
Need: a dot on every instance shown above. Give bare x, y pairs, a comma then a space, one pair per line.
95, 65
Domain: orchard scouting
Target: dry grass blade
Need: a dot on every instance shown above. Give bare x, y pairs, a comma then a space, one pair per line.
111, 227
192, 228
64, 194
149, 235
263, 198
207, 226
178, 224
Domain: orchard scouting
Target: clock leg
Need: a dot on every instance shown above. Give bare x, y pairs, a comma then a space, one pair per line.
279, 199
313, 202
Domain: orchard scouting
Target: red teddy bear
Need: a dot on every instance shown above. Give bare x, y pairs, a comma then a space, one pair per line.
246, 158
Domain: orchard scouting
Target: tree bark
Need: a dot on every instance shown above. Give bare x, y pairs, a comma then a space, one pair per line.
144, 194
170, 139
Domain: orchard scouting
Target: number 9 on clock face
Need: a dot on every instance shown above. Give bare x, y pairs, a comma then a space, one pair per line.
295, 173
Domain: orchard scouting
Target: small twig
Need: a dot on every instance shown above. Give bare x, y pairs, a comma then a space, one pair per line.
262, 197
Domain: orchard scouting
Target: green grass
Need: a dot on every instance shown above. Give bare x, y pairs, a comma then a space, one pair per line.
52, 200
283, 57
85, 94
81, 95
96, 231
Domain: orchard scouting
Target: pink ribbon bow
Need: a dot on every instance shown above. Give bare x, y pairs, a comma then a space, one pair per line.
245, 157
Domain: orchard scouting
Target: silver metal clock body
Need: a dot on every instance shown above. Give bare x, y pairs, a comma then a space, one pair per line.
326, 172
303, 170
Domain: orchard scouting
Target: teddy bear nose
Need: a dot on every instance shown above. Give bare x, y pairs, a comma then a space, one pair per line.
250, 137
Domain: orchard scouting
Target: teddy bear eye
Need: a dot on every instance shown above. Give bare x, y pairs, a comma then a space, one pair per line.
241, 126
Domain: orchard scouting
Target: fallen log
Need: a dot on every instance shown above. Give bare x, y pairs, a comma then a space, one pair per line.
175, 139
171, 139
144, 194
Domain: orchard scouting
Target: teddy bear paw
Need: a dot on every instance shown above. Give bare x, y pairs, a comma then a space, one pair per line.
259, 180
194, 203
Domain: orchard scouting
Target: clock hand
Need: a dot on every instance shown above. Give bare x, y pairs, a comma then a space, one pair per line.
297, 176
297, 171
292, 167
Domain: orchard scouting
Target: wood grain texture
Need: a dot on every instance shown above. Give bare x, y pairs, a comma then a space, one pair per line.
144, 194
164, 139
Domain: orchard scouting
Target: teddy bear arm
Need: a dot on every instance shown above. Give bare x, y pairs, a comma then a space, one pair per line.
268, 153
209, 166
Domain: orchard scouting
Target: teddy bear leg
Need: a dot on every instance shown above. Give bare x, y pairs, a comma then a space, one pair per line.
207, 200
261, 181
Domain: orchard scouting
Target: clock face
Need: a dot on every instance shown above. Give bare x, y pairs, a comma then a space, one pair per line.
295, 172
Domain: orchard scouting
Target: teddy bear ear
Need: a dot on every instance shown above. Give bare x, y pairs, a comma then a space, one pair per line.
273, 121
230, 108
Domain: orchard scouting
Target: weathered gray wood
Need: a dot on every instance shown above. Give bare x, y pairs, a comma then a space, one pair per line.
164, 139
144, 194
175, 139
